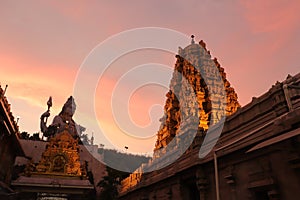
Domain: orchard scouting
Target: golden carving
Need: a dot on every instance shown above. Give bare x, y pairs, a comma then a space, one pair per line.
196, 59
61, 157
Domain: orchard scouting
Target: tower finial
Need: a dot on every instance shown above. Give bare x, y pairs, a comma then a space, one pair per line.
92, 139
193, 41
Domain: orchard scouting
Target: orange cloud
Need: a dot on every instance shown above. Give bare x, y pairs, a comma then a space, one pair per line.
34, 84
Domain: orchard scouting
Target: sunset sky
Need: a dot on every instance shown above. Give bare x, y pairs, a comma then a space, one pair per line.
44, 43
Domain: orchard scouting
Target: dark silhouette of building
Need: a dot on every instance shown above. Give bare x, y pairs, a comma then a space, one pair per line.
9, 146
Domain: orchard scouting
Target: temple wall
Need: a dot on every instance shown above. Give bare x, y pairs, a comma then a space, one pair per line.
257, 155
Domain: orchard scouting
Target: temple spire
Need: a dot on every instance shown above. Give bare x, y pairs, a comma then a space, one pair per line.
195, 59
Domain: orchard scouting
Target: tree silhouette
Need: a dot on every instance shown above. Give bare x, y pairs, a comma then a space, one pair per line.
109, 183
24, 135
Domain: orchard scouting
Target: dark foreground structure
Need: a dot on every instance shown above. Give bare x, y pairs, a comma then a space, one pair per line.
10, 146
256, 157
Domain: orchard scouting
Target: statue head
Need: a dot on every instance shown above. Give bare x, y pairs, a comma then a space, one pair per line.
69, 107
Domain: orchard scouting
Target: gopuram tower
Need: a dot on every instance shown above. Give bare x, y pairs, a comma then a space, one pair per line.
201, 99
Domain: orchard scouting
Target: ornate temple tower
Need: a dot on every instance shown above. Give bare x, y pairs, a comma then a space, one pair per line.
194, 62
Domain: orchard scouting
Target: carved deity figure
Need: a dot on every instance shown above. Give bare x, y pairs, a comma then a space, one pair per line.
62, 121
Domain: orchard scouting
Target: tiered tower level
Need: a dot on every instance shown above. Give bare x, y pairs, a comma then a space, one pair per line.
192, 63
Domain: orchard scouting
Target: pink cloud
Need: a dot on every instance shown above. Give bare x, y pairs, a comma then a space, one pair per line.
270, 16
28, 81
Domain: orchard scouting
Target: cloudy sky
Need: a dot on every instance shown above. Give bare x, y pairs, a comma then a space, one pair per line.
44, 43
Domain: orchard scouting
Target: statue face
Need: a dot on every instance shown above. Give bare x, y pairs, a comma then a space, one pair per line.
69, 111
69, 107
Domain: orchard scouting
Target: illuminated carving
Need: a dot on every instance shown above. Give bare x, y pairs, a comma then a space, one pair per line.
61, 157
191, 62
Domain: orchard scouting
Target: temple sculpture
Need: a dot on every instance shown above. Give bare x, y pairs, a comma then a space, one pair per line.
61, 156
58, 170
63, 121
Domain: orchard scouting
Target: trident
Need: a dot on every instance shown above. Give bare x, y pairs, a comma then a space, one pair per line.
49, 104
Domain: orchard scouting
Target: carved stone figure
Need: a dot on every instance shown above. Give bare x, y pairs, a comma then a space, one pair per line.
63, 121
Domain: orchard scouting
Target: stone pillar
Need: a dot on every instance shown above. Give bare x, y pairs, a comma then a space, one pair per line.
176, 191
202, 183
170, 194
230, 180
